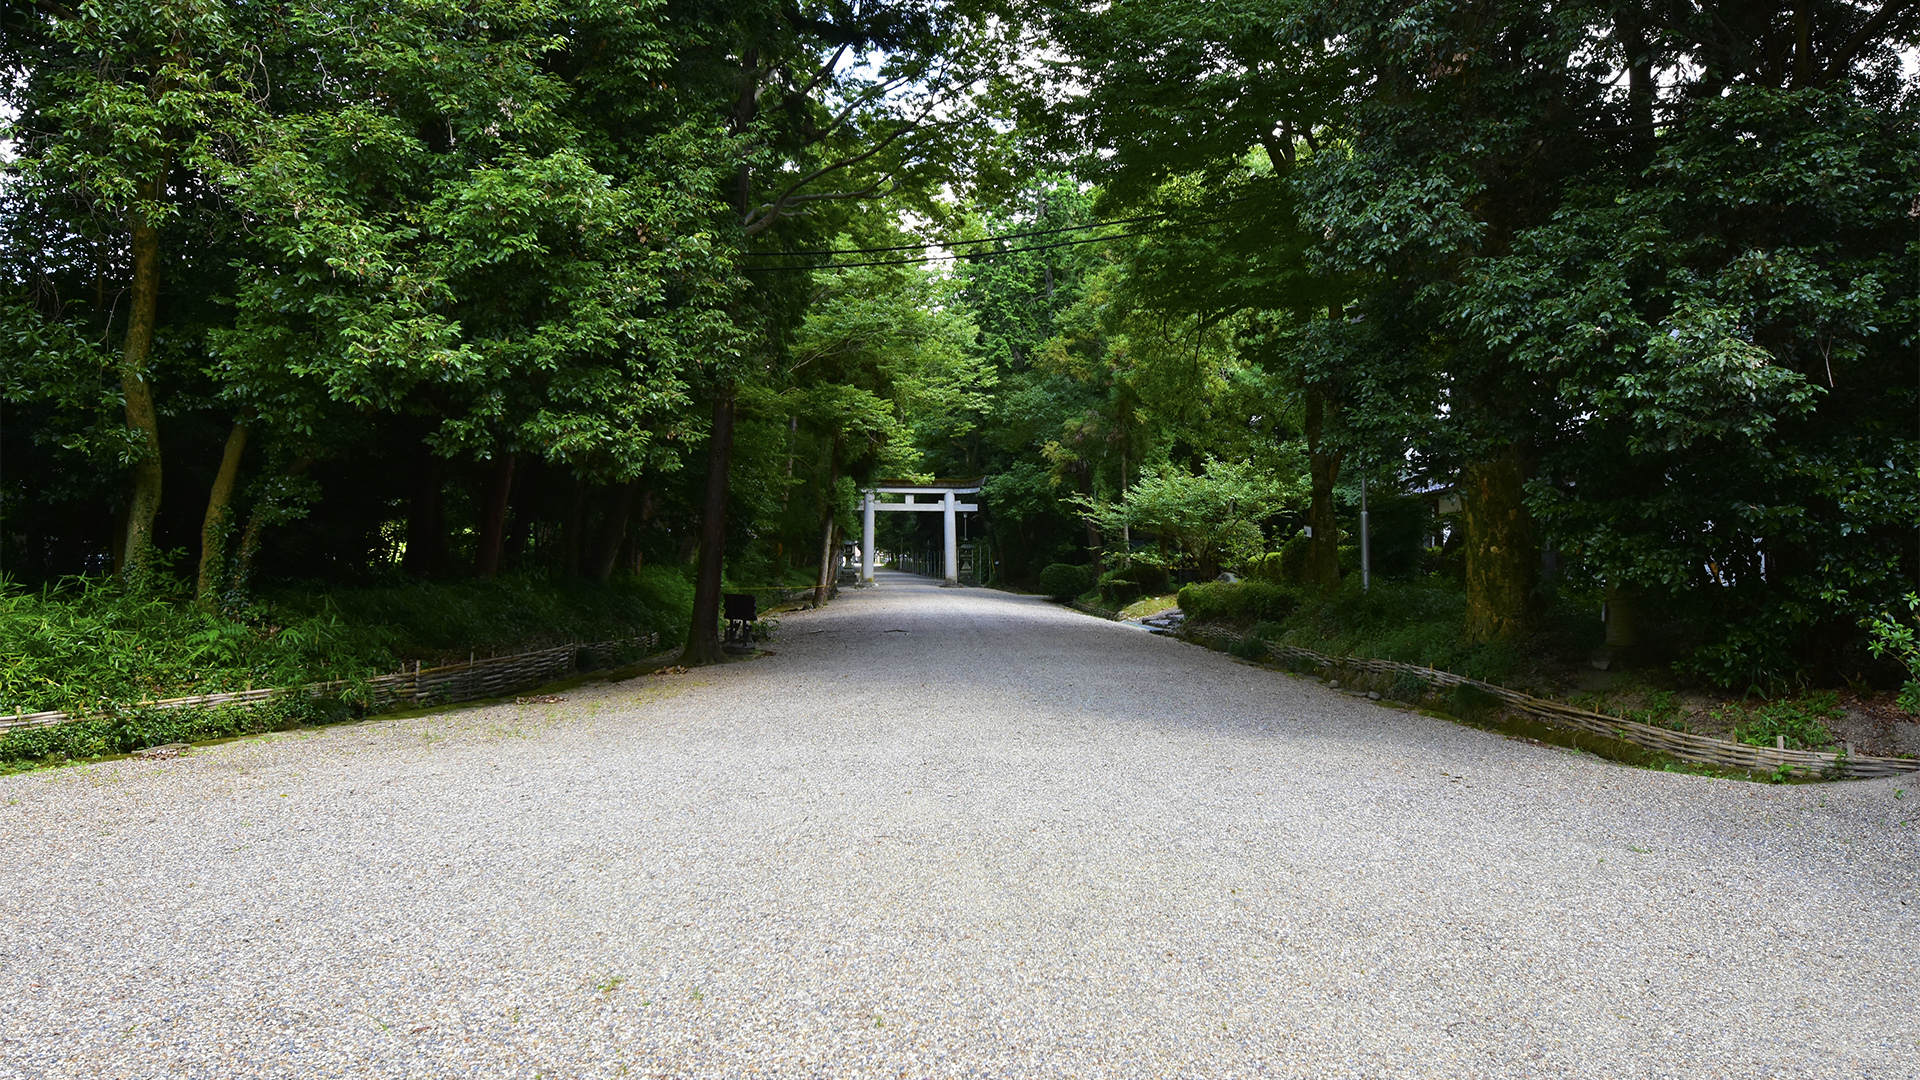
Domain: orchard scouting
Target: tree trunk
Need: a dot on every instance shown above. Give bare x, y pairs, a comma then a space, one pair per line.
1621, 632
1323, 471
703, 633
826, 561
493, 526
613, 530
826, 529
256, 531
426, 521
213, 528
143, 505
1502, 565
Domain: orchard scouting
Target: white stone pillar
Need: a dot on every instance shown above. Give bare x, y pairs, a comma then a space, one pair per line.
953, 541
866, 540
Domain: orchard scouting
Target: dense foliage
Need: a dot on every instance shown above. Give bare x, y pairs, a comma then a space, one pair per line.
1594, 301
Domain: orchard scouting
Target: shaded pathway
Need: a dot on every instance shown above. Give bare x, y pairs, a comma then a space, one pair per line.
944, 833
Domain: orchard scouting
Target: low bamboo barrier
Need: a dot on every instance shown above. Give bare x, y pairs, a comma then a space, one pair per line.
491, 676
1684, 745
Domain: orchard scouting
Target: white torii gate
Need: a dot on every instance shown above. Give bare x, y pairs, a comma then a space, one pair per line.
946, 506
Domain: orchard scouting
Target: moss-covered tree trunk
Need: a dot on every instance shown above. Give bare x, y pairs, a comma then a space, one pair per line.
1323, 471
214, 526
1502, 563
136, 386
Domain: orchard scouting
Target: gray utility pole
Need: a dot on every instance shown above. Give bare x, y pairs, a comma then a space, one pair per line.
1366, 553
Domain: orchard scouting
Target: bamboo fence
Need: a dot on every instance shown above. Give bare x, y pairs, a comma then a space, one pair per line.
1684, 745
486, 677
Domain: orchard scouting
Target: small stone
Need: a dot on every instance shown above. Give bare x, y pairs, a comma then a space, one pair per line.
1333, 684
1373, 695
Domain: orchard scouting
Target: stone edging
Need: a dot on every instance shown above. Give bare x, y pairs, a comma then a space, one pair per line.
1684, 745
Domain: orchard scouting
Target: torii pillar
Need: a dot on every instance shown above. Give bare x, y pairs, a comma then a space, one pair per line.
953, 542
866, 540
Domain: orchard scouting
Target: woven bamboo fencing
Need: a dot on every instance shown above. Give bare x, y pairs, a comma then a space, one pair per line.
1684, 745
485, 677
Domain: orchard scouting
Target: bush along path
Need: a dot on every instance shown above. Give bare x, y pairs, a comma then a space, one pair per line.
31, 738
1410, 682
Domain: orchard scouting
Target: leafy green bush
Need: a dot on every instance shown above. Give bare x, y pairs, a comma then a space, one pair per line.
1251, 648
1064, 581
124, 730
89, 643
1469, 702
1152, 580
1890, 636
444, 620
1408, 686
1237, 601
1801, 722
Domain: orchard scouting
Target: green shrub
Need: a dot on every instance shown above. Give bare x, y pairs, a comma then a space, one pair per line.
1408, 686
1237, 601
1802, 723
1250, 648
1151, 579
1469, 702
88, 643
1118, 589
1266, 567
1064, 581
440, 620
124, 730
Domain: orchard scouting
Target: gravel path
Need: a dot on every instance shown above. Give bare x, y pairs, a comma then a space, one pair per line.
948, 833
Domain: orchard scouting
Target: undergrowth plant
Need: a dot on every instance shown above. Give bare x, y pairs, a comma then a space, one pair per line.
1889, 636
123, 730
89, 644
1800, 721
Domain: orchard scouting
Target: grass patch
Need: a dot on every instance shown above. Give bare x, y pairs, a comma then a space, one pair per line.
1150, 605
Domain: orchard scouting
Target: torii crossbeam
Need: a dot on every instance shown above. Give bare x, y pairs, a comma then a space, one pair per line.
910, 492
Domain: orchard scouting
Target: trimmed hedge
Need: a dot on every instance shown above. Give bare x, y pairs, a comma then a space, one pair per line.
1064, 581
1237, 601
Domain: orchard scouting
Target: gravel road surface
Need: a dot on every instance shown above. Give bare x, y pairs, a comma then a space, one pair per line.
948, 832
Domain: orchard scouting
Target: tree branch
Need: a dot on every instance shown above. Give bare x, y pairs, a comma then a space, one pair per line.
1875, 25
